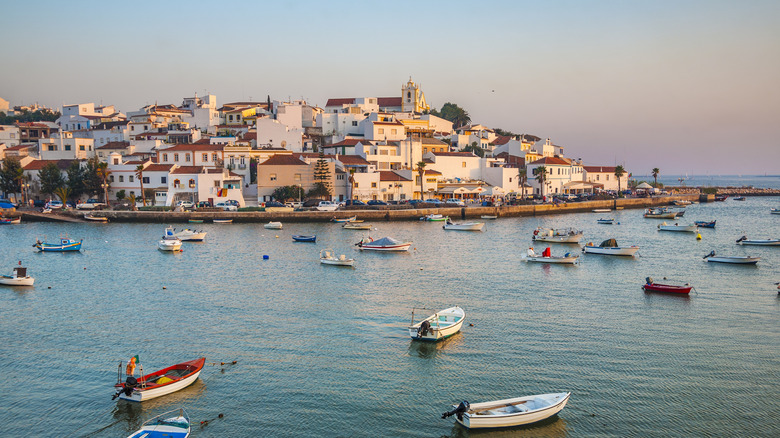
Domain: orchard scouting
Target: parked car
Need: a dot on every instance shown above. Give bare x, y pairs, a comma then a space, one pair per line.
38, 203
327, 206
433, 201
204, 204
415, 201
458, 202
185, 204
91, 204
55, 204
294, 204
232, 202
227, 207
274, 204
350, 202
376, 202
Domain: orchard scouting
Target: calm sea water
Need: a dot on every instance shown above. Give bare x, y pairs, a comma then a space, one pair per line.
757, 181
323, 351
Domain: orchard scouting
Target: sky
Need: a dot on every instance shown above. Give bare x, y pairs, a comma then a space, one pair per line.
685, 86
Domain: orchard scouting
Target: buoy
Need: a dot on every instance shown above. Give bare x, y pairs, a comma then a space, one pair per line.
698, 236
85, 268
265, 257
471, 325
49, 287
277, 236
164, 288
421, 269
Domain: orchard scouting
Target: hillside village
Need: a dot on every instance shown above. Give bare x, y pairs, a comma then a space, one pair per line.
389, 149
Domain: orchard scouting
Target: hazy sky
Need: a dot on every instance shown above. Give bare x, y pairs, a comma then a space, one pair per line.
686, 86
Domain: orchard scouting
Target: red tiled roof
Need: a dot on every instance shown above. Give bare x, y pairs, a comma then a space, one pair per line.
353, 160
599, 169
454, 154
21, 147
40, 164
115, 145
551, 160
194, 147
389, 175
432, 172
434, 141
340, 101
347, 142
283, 160
313, 155
187, 169
158, 168
32, 125
389, 101
501, 140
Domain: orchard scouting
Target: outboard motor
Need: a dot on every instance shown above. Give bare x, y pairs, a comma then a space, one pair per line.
127, 388
741, 239
711, 254
425, 327
462, 408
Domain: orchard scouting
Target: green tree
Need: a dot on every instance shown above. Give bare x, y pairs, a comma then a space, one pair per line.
285, 193
11, 175
149, 193
51, 178
103, 173
319, 191
421, 174
63, 192
455, 114
75, 183
522, 176
41, 115
475, 149
120, 194
322, 175
139, 173
619, 172
541, 177
500, 131
655, 173
253, 170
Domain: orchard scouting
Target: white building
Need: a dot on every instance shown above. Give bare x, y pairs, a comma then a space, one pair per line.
199, 183
274, 133
604, 176
110, 132
10, 135
203, 112
65, 146
562, 176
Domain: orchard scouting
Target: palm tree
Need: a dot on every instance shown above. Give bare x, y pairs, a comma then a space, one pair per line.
63, 192
133, 199
103, 172
139, 173
619, 172
352, 183
655, 173
541, 177
522, 175
421, 171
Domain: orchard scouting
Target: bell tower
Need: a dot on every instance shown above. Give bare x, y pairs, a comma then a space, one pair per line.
412, 98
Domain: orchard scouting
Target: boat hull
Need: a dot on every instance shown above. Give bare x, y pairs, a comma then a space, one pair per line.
560, 239
15, 221
47, 247
401, 247
678, 228
337, 262
473, 226
145, 394
475, 421
166, 246
191, 237
768, 242
615, 251
453, 317
312, 239
349, 226
703, 224
734, 260
273, 226
666, 288
16, 281
572, 260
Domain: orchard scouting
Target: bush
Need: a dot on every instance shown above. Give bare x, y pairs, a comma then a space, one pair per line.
251, 209
709, 190
155, 208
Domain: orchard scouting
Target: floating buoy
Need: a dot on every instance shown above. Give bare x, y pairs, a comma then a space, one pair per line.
698, 236
164, 288
49, 287
471, 325
421, 269
277, 237
265, 257
85, 268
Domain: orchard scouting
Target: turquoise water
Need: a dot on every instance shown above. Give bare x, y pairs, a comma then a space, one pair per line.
757, 181
323, 351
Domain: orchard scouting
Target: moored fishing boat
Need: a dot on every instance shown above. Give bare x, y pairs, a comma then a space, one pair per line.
738, 198
383, 244
158, 383
774, 211
169, 242
677, 227
10, 220
433, 218
65, 245
509, 412
762, 242
188, 235
610, 247
557, 235
601, 210
489, 216
355, 226
705, 224
328, 257
440, 325
737, 260
273, 225
90, 217
651, 286
610, 221
303, 238
659, 213
721, 198
195, 221
463, 226
18, 277
165, 426
346, 219
222, 221
547, 257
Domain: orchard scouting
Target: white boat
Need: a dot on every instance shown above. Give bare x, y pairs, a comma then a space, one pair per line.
222, 221
383, 244
355, 226
609, 247
610, 221
547, 257
509, 412
89, 217
559, 235
438, 326
488, 216
681, 202
433, 217
18, 277
158, 383
464, 226
659, 213
737, 260
328, 257
677, 227
273, 225
763, 242
774, 211
189, 235
346, 219
165, 425
601, 210
169, 242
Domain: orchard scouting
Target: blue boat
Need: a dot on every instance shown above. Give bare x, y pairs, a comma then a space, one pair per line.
305, 238
63, 246
705, 224
163, 426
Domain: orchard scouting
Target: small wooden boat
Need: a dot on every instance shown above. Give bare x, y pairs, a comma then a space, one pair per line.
510, 412
90, 217
346, 219
721, 198
682, 202
354, 226
301, 238
159, 383
774, 211
65, 245
165, 426
762, 242
705, 224
610, 221
195, 221
383, 244
18, 277
222, 221
463, 226
547, 257
433, 218
488, 216
610, 247
676, 227
737, 260
601, 210
273, 225
10, 221
559, 235
169, 243
440, 325
187, 235
659, 213
738, 198
651, 286
328, 257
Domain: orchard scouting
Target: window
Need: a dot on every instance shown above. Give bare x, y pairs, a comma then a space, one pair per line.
373, 185
214, 157
381, 131
81, 148
205, 157
297, 176
230, 118
464, 164
67, 147
175, 157
242, 160
187, 157
607, 177
52, 147
145, 180
163, 180
165, 157
130, 178
357, 184
176, 183
272, 177
354, 123
121, 178
192, 183
393, 131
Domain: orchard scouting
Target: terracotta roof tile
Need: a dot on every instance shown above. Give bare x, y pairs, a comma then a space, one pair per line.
551, 160
389, 175
454, 154
158, 168
353, 160
115, 145
40, 164
187, 170
283, 160
194, 147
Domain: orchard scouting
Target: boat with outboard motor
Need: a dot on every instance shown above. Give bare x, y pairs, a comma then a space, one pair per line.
165, 426
762, 242
463, 226
659, 213
65, 245
610, 247
510, 412
383, 244
677, 227
158, 383
609, 221
188, 235
433, 218
302, 238
440, 325
18, 277
557, 235
705, 224
169, 242
328, 257
737, 260
547, 257
651, 286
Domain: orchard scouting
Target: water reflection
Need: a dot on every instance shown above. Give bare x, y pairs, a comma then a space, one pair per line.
429, 350
553, 427
657, 296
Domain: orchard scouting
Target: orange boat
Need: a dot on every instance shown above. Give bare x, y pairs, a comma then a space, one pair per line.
158, 383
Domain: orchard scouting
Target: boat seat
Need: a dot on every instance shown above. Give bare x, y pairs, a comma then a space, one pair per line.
540, 403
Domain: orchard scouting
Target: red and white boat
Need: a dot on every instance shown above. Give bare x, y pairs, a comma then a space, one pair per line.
159, 383
383, 244
650, 286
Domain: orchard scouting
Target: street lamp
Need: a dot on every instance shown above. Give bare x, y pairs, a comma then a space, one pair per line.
105, 191
25, 193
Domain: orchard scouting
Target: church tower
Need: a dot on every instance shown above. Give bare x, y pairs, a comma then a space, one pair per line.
412, 98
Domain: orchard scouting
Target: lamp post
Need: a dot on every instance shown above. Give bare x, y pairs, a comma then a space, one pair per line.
104, 186
25, 192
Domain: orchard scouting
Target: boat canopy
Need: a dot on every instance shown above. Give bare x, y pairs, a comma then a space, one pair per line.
385, 241
609, 243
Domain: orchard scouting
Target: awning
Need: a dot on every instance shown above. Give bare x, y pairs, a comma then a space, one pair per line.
581, 185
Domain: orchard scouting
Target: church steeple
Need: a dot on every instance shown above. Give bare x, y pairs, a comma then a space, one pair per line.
412, 98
